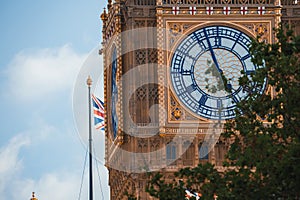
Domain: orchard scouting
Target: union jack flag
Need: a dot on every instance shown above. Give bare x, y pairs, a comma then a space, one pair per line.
98, 113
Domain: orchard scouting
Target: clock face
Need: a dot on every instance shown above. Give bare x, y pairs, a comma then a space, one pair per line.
197, 67
114, 94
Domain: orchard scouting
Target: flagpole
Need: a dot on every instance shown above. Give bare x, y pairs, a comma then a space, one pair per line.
89, 83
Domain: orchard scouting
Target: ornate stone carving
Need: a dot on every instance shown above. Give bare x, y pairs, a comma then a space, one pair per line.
140, 56
249, 26
143, 56
177, 113
151, 23
153, 92
142, 143
139, 23
141, 93
259, 29
152, 12
138, 12
154, 143
152, 55
187, 26
262, 30
175, 31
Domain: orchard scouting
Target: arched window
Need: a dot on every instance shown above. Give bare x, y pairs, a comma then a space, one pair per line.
114, 93
203, 151
220, 151
189, 152
155, 156
171, 151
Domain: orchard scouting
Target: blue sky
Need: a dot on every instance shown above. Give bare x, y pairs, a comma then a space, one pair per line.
47, 50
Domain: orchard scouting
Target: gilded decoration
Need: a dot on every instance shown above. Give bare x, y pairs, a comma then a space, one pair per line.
261, 29
177, 112
176, 30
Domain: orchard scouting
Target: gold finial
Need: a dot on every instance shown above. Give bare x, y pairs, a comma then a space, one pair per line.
89, 81
104, 15
33, 197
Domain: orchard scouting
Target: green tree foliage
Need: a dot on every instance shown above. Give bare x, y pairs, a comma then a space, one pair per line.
263, 161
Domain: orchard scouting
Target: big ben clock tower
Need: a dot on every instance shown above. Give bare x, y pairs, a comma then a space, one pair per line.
165, 95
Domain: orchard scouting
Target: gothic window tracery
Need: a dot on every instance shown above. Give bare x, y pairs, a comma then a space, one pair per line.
171, 152
203, 151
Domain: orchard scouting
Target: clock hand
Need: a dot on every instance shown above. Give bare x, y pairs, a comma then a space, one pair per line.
212, 52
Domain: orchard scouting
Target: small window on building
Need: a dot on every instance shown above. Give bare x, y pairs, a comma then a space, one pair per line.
171, 152
203, 151
189, 153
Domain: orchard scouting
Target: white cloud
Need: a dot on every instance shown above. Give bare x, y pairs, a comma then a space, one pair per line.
10, 164
35, 75
59, 184
9, 154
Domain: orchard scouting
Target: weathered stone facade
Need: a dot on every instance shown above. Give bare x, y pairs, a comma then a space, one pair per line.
143, 34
